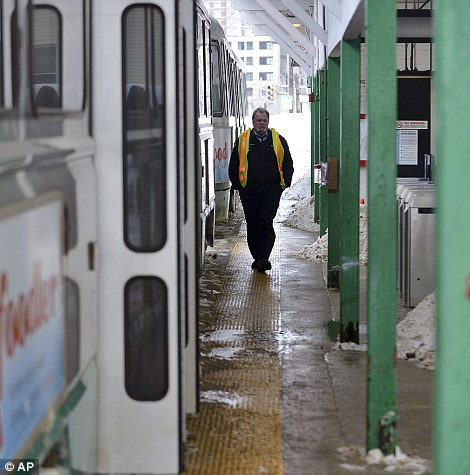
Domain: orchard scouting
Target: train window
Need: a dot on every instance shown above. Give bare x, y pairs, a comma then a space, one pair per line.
200, 65
8, 54
146, 338
207, 69
144, 161
57, 57
2, 45
216, 81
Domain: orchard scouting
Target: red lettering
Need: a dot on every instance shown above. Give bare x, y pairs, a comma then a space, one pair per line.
220, 153
22, 318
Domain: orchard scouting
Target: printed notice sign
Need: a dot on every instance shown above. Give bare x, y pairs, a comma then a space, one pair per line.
412, 124
407, 147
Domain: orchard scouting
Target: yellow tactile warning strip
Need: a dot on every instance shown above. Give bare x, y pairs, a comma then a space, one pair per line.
239, 427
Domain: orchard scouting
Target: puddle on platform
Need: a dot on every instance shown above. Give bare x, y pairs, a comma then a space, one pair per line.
222, 397
225, 352
223, 335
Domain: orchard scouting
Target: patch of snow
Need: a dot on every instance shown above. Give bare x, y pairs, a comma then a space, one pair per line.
356, 460
416, 333
300, 188
302, 216
319, 249
349, 345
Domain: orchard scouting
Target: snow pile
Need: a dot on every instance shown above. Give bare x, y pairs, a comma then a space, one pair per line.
415, 334
302, 216
299, 189
356, 460
349, 345
319, 249
363, 256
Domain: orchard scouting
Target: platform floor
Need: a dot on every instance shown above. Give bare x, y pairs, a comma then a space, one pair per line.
275, 396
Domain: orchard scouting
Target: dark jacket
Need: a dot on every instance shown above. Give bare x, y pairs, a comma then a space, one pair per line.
263, 173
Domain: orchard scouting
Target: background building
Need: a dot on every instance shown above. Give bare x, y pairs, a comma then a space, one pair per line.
273, 79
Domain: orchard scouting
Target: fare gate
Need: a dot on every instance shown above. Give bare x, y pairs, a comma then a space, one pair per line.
416, 217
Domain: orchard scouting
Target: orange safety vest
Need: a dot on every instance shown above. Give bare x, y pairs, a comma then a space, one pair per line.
243, 148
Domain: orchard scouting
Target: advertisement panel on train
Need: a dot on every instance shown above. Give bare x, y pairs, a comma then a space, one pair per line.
31, 318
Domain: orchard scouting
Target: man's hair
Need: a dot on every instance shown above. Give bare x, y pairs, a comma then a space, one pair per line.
261, 110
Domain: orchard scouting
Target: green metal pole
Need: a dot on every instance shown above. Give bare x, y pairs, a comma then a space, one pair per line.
334, 229
349, 189
452, 377
316, 147
381, 31
323, 150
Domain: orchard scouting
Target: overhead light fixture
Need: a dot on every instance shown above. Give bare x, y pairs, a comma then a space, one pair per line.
297, 25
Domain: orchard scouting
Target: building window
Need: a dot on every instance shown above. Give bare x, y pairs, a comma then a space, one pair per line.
266, 76
265, 45
249, 61
266, 60
249, 91
241, 45
249, 45
249, 76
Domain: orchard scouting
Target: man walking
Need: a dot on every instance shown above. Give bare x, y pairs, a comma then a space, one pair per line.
260, 169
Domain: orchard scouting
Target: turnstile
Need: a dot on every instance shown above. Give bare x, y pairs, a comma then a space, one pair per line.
417, 267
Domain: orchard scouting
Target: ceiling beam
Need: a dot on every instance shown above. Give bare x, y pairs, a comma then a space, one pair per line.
283, 21
306, 19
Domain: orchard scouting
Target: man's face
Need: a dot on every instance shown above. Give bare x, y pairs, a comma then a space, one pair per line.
260, 122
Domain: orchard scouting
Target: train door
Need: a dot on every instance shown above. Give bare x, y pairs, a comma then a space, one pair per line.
192, 205
141, 414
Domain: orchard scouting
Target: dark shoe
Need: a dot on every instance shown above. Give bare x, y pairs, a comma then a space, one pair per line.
255, 265
264, 265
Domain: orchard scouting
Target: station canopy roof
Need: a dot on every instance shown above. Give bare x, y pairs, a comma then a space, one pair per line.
306, 34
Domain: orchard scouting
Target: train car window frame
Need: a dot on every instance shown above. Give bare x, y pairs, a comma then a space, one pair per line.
47, 98
9, 41
200, 65
217, 80
207, 69
146, 345
144, 129
2, 67
67, 95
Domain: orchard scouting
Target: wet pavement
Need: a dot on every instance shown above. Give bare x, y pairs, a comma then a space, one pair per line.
276, 396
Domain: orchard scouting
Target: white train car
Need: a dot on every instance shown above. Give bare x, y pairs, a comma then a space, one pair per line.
106, 192
48, 225
229, 113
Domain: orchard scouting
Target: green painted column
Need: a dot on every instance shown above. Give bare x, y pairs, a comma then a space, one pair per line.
333, 156
323, 150
452, 377
382, 242
316, 147
349, 188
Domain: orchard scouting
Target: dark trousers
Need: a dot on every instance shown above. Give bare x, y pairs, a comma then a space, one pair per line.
260, 209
